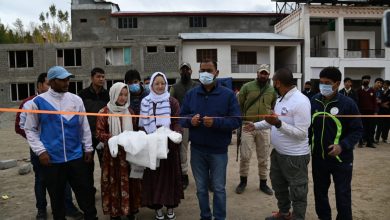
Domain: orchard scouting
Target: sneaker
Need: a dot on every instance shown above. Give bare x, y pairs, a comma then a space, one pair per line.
41, 215
360, 145
184, 179
386, 141
159, 214
279, 216
171, 214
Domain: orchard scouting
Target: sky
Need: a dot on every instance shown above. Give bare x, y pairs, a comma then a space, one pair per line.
28, 11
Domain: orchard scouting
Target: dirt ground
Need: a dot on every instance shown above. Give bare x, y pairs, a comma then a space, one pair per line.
370, 186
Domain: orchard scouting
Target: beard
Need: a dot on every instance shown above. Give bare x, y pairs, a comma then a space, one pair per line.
261, 82
185, 78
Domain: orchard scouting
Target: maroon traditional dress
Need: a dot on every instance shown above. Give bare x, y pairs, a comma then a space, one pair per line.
121, 195
163, 186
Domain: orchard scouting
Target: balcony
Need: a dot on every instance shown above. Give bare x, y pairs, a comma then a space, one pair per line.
373, 53
323, 52
245, 68
291, 67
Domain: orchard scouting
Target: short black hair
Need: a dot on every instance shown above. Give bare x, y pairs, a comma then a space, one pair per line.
347, 79
97, 70
366, 77
131, 75
207, 60
331, 73
379, 79
308, 83
41, 78
387, 82
285, 76
147, 78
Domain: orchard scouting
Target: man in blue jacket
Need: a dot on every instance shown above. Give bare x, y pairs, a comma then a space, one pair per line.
333, 138
212, 113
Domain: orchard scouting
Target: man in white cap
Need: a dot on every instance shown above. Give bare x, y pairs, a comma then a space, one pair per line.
178, 91
63, 144
256, 98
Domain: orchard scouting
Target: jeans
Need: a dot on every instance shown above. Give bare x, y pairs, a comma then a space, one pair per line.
40, 188
213, 166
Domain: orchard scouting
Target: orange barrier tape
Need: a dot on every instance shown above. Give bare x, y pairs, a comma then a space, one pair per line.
15, 110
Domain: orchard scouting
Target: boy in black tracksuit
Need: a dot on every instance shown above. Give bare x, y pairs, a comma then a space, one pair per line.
332, 141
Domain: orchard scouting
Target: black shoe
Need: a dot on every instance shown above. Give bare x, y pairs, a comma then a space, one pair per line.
241, 187
370, 146
41, 215
184, 179
264, 188
74, 213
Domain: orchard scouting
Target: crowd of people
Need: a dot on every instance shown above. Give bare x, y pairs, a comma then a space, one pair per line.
284, 126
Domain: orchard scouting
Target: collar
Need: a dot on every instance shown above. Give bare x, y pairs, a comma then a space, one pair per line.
288, 94
55, 94
214, 90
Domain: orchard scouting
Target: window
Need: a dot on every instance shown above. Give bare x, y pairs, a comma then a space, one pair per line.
69, 57
202, 54
170, 49
118, 56
128, 22
83, 20
151, 49
198, 21
75, 87
360, 45
110, 82
247, 57
20, 91
21, 59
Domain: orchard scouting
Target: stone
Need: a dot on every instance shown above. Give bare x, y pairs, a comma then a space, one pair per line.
25, 169
6, 164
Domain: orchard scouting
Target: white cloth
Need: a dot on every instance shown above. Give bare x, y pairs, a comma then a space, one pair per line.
294, 110
163, 108
114, 122
142, 149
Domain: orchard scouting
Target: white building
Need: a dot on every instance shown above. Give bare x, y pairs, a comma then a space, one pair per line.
239, 55
347, 37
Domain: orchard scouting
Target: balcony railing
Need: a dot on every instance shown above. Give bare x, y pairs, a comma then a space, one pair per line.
373, 53
291, 67
245, 68
323, 52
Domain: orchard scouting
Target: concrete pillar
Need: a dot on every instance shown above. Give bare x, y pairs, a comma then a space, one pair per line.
272, 59
340, 36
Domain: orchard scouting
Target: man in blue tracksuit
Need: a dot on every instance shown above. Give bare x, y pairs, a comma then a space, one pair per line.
333, 138
212, 113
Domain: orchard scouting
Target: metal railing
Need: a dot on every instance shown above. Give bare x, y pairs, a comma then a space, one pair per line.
323, 52
369, 53
245, 68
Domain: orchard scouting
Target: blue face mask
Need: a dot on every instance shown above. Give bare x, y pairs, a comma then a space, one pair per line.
326, 90
134, 88
206, 78
146, 87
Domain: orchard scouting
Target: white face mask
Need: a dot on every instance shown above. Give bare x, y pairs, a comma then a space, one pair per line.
206, 78
326, 90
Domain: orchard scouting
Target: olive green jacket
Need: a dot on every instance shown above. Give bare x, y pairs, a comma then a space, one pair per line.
261, 106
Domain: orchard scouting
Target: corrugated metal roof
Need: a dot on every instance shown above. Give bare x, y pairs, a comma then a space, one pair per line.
237, 36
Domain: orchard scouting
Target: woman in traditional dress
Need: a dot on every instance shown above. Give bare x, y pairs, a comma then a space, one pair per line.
121, 195
163, 186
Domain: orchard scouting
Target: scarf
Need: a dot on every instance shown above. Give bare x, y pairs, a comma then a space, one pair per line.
114, 122
163, 108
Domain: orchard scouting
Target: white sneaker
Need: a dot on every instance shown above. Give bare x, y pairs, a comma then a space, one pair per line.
159, 214
171, 214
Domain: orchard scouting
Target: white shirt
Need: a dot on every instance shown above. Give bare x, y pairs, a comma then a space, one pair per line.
294, 111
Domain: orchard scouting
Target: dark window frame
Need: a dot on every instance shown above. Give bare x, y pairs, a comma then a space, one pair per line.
20, 59
202, 54
127, 22
247, 57
149, 49
70, 57
168, 49
21, 90
197, 21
